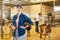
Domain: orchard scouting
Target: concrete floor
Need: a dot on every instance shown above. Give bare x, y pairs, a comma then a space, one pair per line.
55, 34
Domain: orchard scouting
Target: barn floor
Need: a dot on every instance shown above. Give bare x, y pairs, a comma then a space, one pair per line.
55, 34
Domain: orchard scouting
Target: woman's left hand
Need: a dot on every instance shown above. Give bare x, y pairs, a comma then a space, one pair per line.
23, 27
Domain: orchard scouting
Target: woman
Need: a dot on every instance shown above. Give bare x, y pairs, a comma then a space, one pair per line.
18, 24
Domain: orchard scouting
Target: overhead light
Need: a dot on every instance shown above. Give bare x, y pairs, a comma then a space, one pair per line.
32, 0
57, 8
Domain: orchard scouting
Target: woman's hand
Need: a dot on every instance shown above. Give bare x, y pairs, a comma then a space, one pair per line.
27, 26
13, 27
23, 27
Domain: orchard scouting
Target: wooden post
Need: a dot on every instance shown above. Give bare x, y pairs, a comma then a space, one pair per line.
1, 19
10, 10
41, 6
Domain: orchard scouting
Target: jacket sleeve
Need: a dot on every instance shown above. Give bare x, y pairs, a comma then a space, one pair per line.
27, 19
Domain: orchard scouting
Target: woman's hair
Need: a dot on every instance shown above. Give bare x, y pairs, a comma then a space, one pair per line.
19, 6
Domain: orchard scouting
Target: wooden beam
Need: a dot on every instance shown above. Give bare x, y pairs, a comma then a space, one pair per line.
26, 3
1, 19
0, 3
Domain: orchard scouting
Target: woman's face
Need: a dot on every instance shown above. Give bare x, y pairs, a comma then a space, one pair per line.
19, 9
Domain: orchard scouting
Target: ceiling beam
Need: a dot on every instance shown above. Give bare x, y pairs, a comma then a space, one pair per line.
31, 3
44, 3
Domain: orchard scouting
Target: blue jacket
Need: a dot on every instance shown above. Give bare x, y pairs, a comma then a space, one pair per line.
22, 19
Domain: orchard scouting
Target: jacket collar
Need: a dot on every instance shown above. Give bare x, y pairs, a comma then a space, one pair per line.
19, 15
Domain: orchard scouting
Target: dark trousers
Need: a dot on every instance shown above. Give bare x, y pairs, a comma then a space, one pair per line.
36, 29
53, 22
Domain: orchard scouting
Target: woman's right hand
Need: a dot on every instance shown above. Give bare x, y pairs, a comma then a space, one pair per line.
13, 27
23, 27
